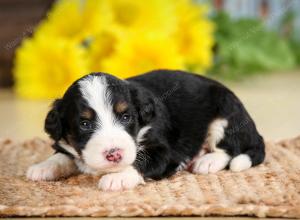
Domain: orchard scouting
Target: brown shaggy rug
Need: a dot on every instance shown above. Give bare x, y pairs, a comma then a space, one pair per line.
271, 189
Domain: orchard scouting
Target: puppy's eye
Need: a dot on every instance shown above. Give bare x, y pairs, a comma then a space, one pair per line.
85, 125
125, 118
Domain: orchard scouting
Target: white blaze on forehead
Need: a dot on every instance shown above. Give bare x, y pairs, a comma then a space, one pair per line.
95, 91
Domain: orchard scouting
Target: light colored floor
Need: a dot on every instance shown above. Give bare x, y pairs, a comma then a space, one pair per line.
273, 100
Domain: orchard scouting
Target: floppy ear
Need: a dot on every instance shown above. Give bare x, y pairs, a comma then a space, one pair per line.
144, 102
53, 125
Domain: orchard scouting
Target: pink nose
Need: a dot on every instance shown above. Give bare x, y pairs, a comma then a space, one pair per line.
114, 155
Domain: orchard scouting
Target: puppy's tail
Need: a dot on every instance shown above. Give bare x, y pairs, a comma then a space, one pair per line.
253, 156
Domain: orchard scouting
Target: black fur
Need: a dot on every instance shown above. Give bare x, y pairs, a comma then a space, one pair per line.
178, 106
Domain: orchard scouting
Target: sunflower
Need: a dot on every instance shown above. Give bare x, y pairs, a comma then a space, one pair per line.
194, 35
100, 47
46, 66
155, 15
141, 52
76, 19
122, 37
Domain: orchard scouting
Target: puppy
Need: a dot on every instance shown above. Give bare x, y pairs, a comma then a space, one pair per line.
147, 127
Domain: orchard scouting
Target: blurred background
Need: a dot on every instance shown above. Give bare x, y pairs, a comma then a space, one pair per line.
252, 46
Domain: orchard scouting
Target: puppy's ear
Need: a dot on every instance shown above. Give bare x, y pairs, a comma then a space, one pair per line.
144, 102
53, 124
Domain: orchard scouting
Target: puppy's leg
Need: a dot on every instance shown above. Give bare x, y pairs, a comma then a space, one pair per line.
57, 166
217, 159
126, 179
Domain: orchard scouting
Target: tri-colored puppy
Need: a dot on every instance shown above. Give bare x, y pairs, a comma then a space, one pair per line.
147, 126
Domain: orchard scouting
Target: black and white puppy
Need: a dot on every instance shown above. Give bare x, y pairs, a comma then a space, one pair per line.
148, 127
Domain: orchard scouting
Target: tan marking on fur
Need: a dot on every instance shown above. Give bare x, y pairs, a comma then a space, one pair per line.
121, 107
87, 114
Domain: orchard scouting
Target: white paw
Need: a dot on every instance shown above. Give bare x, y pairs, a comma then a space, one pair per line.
127, 179
47, 170
210, 163
55, 167
240, 163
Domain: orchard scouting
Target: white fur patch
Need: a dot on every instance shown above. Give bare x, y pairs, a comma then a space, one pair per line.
141, 133
210, 163
102, 141
84, 168
95, 91
110, 134
55, 167
126, 179
68, 148
240, 162
216, 133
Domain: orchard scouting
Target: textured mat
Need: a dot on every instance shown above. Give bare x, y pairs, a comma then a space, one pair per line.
271, 189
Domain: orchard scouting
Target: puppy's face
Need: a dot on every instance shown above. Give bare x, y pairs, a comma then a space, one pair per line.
97, 121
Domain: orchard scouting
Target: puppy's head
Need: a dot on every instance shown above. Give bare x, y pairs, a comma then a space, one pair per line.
98, 120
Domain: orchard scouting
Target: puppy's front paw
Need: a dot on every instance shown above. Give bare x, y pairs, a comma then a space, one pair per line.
55, 167
127, 179
210, 163
46, 170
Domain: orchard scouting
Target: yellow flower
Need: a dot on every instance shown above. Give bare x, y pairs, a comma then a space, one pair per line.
46, 66
76, 19
141, 52
122, 37
195, 45
151, 16
194, 35
100, 47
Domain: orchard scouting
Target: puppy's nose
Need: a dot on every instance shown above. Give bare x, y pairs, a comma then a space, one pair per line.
114, 155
